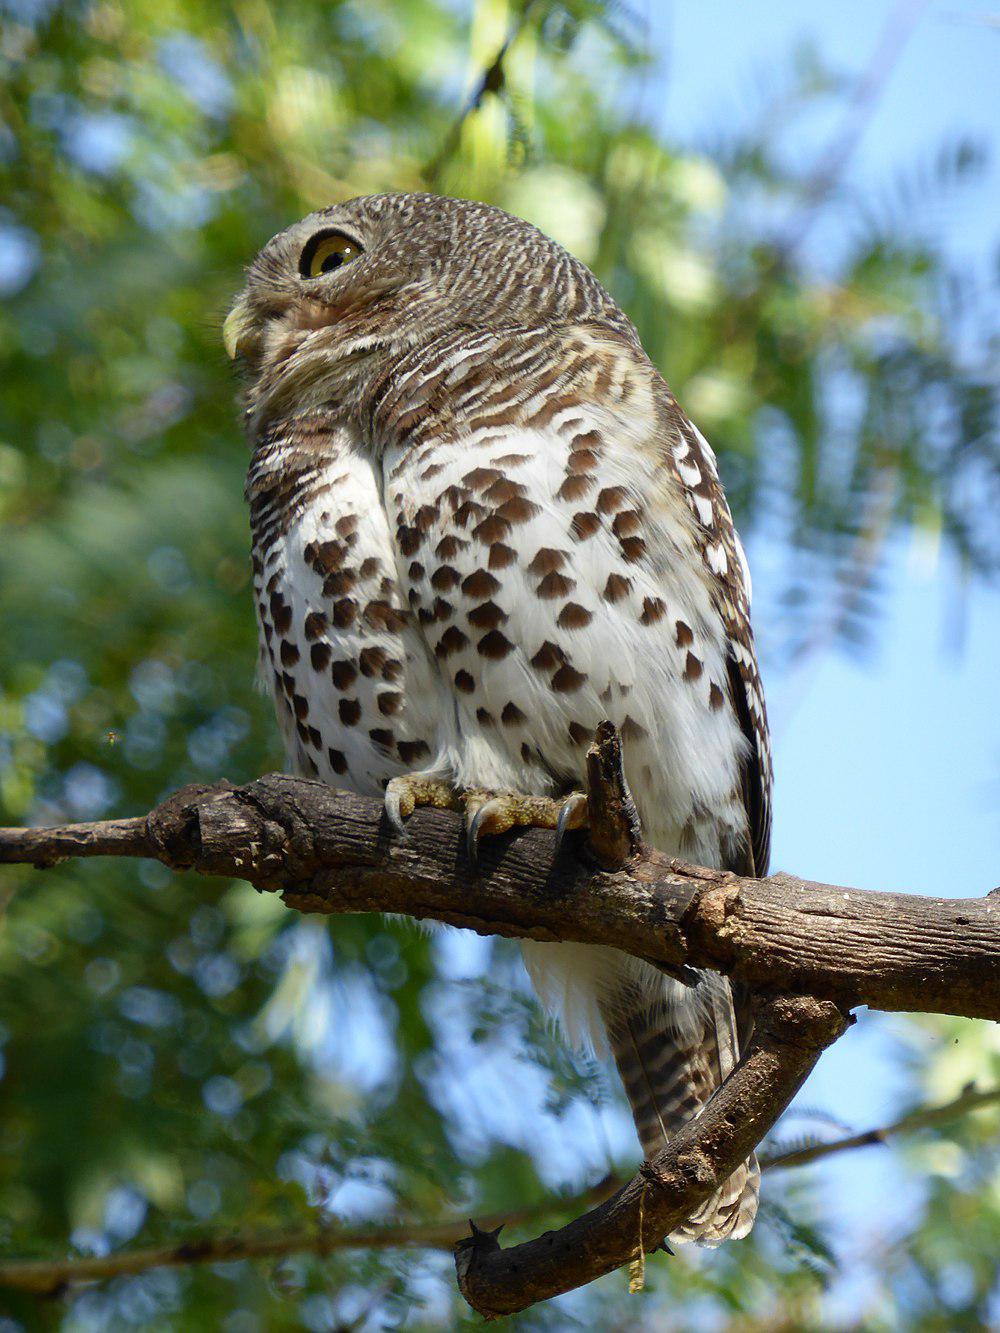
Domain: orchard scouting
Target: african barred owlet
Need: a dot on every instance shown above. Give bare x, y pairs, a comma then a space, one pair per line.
481, 525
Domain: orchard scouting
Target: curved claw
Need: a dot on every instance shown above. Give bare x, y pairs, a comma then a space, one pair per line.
572, 814
484, 820
396, 796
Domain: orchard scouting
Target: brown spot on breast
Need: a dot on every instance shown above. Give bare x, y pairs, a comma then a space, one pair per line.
380, 615
526, 754
281, 613
582, 462
451, 641
448, 547
567, 679
343, 674
301, 705
315, 624
511, 715
492, 529
494, 645
633, 549
518, 510
315, 739
555, 585
369, 567
344, 612
442, 610
504, 490
546, 560
289, 653
487, 616
347, 525
617, 587
336, 585
584, 525
501, 556
444, 578
464, 682
481, 477
575, 488
685, 634
392, 670
715, 697
350, 712
470, 512
484, 717
389, 703
319, 656
611, 499
549, 656
627, 524
371, 661
425, 517
512, 460
588, 439
580, 734
411, 751
407, 539
416, 571
480, 584
288, 683
326, 556
381, 736
653, 609
692, 667
338, 760
573, 616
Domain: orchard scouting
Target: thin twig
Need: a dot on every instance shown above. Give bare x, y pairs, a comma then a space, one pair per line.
46, 1277
969, 1100
491, 80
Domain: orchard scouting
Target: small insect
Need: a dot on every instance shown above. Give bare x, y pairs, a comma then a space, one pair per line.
111, 737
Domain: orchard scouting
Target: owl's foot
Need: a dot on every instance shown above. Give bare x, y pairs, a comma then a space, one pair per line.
404, 794
486, 812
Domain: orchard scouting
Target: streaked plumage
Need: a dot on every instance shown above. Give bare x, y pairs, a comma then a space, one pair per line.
482, 524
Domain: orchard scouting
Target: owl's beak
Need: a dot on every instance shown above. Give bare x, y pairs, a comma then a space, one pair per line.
238, 331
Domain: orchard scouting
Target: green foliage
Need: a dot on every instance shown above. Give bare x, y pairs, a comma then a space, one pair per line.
181, 1057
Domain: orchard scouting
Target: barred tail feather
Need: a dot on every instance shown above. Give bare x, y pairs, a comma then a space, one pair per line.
669, 1075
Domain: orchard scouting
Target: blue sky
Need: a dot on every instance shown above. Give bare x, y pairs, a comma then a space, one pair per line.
887, 770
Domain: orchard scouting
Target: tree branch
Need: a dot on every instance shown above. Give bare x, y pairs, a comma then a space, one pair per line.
48, 1277
491, 80
970, 1099
332, 851
828, 948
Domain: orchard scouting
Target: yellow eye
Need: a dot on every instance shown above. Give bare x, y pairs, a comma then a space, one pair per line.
327, 252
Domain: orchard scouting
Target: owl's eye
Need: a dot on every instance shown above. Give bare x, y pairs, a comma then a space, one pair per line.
327, 252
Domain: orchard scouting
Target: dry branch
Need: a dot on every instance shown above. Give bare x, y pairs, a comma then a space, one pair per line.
332, 851
808, 951
48, 1277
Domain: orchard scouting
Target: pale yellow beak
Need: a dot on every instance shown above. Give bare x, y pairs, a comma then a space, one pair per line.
238, 330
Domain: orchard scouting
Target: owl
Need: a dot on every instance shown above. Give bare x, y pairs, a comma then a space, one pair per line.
481, 524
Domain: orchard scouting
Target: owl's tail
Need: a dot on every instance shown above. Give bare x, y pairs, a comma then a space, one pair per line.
670, 1069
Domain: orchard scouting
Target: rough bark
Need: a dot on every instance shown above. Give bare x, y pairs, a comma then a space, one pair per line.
808, 952
332, 851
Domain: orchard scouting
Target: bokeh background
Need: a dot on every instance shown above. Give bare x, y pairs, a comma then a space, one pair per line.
798, 207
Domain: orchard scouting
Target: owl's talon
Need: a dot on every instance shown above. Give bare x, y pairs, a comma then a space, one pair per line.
572, 815
493, 816
393, 806
405, 793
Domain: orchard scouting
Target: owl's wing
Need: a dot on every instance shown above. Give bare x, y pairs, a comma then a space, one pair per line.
694, 465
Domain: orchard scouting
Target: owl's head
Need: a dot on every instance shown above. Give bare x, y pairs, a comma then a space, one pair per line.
330, 300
